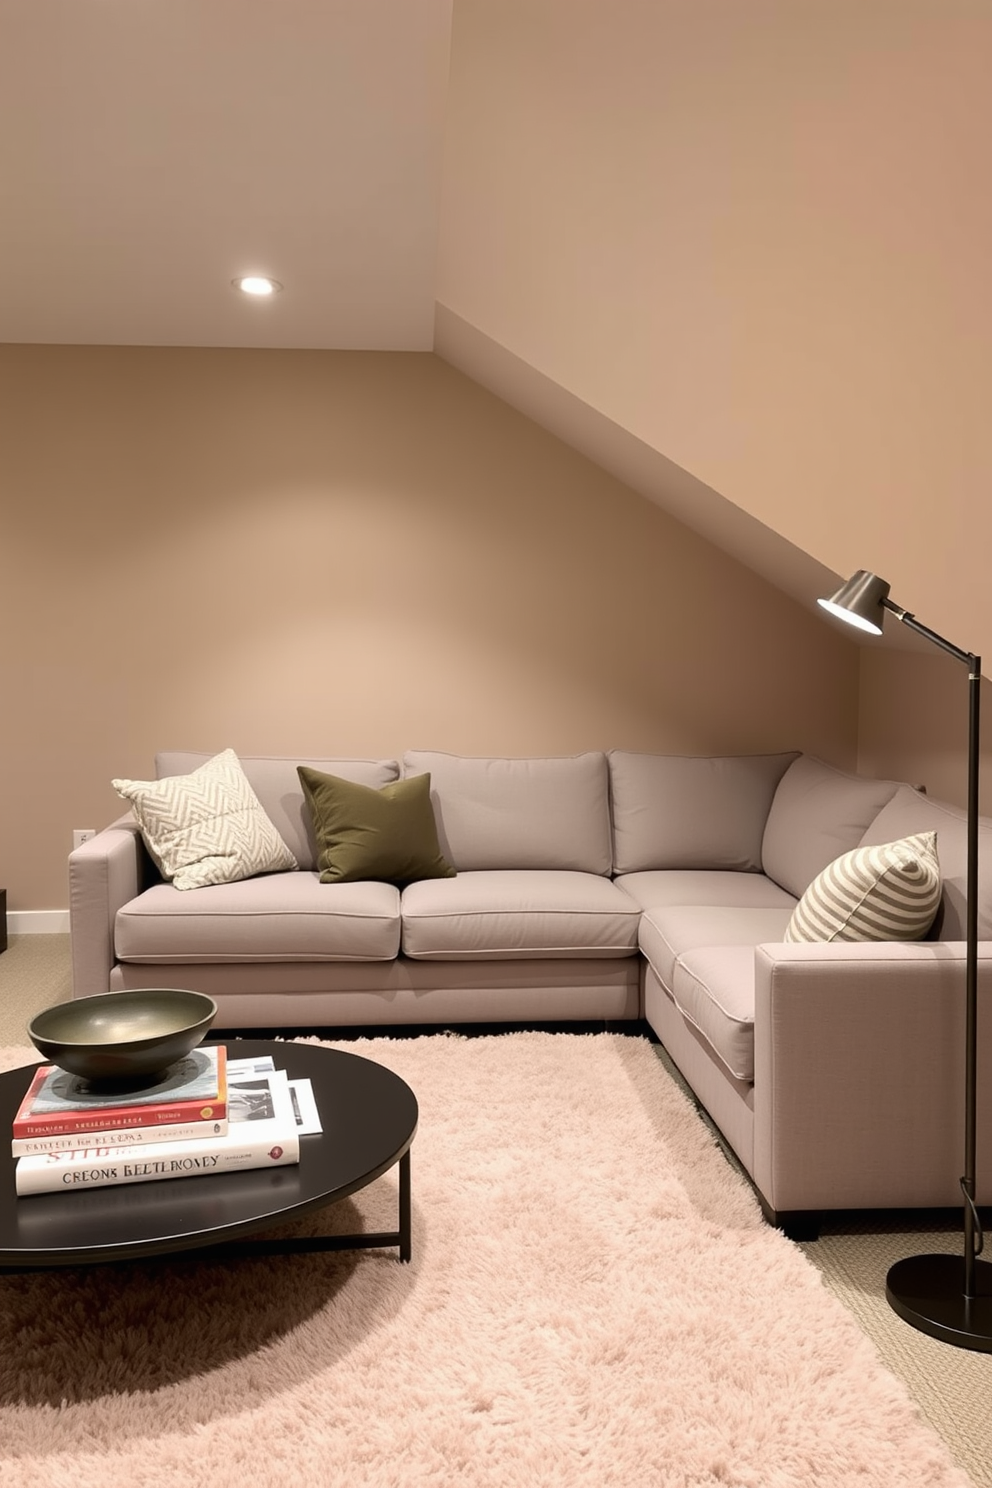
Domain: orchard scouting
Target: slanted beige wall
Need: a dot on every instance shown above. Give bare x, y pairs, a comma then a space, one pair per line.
320, 552
757, 236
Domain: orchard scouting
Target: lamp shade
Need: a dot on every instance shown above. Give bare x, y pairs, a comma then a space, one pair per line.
860, 601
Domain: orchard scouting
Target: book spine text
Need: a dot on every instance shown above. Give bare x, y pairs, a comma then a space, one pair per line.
128, 1136
101, 1167
84, 1124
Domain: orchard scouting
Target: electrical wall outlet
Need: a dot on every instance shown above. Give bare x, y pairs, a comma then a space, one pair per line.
81, 835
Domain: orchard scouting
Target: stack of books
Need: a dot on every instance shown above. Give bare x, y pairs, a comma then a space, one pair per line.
208, 1114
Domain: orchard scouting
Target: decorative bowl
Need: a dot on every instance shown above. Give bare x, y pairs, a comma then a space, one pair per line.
123, 1036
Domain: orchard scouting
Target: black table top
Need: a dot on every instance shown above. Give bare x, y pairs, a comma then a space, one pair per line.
369, 1118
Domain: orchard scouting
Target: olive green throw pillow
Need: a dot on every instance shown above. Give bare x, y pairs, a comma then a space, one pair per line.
361, 833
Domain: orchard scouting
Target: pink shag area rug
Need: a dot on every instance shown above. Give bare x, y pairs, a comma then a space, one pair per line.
593, 1299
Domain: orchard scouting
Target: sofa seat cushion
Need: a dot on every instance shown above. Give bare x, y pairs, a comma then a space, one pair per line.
495, 915
714, 991
666, 935
284, 917
670, 886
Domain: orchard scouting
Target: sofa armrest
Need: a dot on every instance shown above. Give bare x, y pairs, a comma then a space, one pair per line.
104, 874
859, 1073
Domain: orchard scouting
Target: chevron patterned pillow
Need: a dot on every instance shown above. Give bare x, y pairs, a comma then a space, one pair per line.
207, 827
890, 892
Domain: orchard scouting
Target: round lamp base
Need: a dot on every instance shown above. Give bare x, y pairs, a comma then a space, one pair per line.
928, 1292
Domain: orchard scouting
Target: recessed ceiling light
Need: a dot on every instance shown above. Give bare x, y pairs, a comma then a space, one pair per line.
257, 285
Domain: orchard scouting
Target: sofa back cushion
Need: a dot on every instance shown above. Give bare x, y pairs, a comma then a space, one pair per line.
909, 812
538, 813
818, 813
677, 811
277, 786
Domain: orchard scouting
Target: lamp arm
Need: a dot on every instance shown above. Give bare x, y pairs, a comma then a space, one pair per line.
909, 619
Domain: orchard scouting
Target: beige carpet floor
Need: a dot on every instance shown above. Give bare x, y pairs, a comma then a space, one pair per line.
951, 1387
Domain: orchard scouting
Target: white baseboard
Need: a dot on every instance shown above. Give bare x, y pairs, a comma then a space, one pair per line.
37, 922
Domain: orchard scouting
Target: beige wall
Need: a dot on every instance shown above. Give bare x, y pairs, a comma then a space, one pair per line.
758, 237
320, 552
913, 722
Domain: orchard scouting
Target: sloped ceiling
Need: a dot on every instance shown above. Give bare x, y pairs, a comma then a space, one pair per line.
154, 151
151, 152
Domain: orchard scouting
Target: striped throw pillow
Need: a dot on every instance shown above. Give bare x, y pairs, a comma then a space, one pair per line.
890, 892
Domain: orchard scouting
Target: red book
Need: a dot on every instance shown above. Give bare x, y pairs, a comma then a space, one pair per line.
57, 1103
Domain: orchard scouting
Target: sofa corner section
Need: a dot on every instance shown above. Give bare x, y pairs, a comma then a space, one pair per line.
859, 1076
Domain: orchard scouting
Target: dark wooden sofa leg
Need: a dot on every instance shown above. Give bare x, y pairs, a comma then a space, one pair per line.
795, 1224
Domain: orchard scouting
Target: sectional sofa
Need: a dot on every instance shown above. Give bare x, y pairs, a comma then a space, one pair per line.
605, 886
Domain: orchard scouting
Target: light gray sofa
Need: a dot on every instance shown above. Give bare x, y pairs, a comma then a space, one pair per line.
606, 886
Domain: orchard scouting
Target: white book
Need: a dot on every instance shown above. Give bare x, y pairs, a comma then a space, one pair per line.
125, 1136
263, 1132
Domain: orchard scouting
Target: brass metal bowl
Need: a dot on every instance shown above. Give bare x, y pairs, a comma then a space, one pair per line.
123, 1036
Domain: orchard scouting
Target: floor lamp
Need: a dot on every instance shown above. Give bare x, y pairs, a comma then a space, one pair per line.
947, 1296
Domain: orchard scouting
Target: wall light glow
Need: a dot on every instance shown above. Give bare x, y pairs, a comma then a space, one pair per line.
256, 284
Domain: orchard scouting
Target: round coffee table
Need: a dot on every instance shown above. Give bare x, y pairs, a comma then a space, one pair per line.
369, 1119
